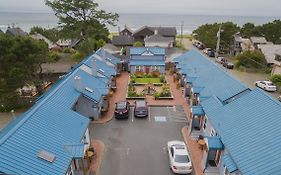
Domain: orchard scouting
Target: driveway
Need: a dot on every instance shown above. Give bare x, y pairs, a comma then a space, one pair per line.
138, 146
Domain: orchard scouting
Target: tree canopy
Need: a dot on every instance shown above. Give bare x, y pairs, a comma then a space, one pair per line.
82, 18
208, 34
20, 60
251, 59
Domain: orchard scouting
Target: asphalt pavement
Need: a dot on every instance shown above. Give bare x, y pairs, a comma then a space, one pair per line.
138, 146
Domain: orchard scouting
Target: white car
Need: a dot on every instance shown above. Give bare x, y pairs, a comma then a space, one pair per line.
266, 85
180, 162
206, 50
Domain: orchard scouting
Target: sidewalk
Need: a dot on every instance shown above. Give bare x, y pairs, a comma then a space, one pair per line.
97, 160
118, 95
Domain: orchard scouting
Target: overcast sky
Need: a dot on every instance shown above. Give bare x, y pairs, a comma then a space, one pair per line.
201, 7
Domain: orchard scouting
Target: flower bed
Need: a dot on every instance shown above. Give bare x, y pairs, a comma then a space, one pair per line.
164, 94
132, 93
141, 78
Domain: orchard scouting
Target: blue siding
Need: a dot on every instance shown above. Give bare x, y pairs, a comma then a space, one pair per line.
141, 50
148, 58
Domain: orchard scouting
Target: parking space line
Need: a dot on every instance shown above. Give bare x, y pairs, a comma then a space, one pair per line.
148, 113
132, 115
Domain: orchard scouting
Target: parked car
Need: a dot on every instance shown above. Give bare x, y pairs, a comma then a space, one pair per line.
180, 162
206, 50
279, 98
141, 108
228, 65
211, 53
220, 60
122, 110
266, 85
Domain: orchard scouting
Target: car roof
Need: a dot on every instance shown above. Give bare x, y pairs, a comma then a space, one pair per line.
266, 81
140, 103
180, 149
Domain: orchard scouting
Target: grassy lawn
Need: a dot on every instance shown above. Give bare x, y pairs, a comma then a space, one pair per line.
148, 80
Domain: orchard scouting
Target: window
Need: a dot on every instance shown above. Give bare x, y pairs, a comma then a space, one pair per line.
205, 122
155, 68
139, 68
213, 132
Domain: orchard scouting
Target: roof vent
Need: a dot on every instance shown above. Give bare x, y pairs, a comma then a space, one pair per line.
89, 89
101, 70
78, 83
46, 156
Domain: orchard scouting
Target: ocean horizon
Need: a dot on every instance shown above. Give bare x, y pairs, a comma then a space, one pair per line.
26, 20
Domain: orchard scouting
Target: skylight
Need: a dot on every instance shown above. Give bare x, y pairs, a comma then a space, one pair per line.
46, 156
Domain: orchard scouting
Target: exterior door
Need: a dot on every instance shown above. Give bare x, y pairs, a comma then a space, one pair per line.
147, 69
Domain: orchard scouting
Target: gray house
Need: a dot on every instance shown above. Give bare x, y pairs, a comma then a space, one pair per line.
15, 31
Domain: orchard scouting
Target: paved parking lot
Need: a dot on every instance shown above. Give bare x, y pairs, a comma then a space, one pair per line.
138, 146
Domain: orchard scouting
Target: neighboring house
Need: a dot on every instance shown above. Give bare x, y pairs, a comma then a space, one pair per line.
110, 48
257, 41
38, 36
15, 31
69, 43
144, 32
272, 53
238, 124
147, 59
241, 44
122, 40
126, 31
157, 40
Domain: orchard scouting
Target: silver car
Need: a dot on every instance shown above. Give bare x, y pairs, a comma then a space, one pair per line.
141, 108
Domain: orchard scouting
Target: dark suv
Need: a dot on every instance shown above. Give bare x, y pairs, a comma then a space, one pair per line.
141, 109
122, 110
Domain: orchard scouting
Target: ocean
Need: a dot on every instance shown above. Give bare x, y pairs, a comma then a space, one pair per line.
134, 21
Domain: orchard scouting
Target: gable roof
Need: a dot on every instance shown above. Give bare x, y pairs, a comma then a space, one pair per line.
210, 79
38, 36
16, 31
157, 38
142, 50
164, 31
107, 56
50, 126
258, 40
250, 130
270, 51
123, 40
127, 30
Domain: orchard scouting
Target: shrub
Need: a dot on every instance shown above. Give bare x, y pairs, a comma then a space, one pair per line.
251, 59
139, 74
77, 56
157, 95
155, 74
53, 57
276, 79
68, 50
138, 44
162, 78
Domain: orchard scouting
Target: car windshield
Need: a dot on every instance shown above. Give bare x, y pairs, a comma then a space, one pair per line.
140, 104
270, 84
181, 159
121, 105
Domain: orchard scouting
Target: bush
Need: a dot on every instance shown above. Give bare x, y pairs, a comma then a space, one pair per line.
276, 79
251, 59
162, 79
155, 74
68, 50
138, 44
157, 95
53, 57
139, 74
77, 56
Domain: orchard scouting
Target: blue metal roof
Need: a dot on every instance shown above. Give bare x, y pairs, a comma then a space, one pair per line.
102, 66
228, 162
152, 50
249, 128
214, 79
75, 150
109, 57
51, 125
147, 63
198, 110
197, 90
214, 143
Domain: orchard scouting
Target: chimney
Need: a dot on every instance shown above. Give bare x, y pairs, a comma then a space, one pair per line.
155, 32
78, 83
94, 68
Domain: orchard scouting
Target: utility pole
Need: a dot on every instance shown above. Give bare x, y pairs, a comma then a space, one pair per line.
218, 42
181, 32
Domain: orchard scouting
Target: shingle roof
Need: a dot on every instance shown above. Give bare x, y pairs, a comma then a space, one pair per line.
16, 31
249, 128
164, 31
123, 40
259, 40
157, 38
141, 50
211, 80
270, 52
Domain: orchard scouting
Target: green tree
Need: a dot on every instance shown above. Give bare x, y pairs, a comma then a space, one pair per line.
82, 17
138, 44
207, 34
276, 79
20, 60
272, 31
251, 59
